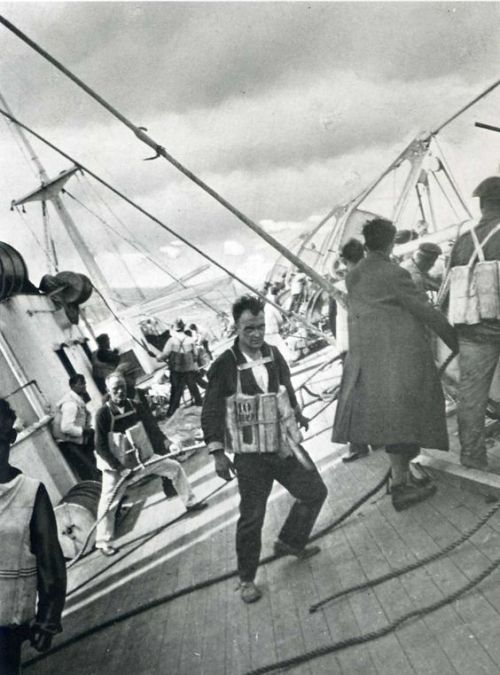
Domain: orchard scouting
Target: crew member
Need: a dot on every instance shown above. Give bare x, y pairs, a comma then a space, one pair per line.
180, 354
390, 392
480, 340
118, 415
240, 381
104, 361
32, 569
419, 265
73, 430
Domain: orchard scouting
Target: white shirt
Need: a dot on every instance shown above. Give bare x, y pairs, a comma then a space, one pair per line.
259, 372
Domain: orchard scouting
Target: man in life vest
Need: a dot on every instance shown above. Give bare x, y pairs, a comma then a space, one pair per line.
477, 252
126, 438
250, 409
32, 569
73, 431
180, 354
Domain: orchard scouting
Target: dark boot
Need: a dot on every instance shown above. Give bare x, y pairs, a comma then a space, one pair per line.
404, 496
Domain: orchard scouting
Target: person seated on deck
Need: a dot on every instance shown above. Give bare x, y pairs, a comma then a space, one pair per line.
32, 568
73, 430
390, 392
104, 361
114, 419
251, 376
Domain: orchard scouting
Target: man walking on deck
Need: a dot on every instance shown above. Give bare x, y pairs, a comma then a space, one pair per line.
479, 340
390, 392
117, 416
250, 410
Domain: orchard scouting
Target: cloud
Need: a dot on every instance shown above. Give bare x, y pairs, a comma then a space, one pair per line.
233, 248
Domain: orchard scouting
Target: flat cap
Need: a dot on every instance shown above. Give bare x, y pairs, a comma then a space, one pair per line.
489, 188
430, 248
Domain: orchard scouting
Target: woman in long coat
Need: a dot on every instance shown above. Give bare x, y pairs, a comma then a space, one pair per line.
390, 393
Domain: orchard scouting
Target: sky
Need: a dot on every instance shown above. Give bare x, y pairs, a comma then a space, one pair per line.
285, 109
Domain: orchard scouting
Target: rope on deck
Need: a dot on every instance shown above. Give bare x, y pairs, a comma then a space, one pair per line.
374, 635
412, 566
200, 585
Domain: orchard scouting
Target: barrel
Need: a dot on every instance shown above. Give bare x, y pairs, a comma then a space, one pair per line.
75, 516
13, 271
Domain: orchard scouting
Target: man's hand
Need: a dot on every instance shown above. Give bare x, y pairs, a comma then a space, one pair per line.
302, 421
223, 465
40, 638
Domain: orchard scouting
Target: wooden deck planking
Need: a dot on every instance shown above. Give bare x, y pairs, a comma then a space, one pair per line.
435, 582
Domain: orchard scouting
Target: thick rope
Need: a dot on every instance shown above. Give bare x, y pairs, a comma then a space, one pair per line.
144, 539
152, 604
168, 229
118, 487
374, 635
407, 568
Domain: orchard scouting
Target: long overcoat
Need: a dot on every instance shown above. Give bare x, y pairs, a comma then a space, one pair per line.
390, 391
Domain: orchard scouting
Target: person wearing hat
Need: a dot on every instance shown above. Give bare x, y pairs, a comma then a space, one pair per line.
179, 352
479, 343
419, 265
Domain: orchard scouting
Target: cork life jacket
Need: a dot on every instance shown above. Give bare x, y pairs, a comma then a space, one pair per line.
260, 423
131, 447
475, 287
18, 569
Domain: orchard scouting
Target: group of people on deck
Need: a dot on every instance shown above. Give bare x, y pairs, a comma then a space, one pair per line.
390, 396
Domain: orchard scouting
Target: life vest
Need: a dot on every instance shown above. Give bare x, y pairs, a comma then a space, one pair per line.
182, 361
131, 447
18, 570
261, 423
475, 287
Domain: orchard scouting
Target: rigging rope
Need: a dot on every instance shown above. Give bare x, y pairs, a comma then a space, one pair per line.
160, 151
168, 229
200, 585
137, 247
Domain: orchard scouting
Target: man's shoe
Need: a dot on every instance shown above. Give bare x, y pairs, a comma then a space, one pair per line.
249, 592
199, 506
281, 549
404, 496
355, 452
107, 549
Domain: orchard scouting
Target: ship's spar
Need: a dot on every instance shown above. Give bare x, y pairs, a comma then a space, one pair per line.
160, 151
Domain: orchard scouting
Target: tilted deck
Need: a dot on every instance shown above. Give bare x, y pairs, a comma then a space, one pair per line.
211, 632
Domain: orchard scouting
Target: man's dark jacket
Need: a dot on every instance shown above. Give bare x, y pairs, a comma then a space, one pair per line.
222, 383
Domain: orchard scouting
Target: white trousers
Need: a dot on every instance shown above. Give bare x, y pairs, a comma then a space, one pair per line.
167, 468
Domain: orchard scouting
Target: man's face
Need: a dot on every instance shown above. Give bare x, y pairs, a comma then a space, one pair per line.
7, 420
80, 388
117, 390
251, 329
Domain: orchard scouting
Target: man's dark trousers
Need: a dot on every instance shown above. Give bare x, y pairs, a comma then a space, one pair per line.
256, 473
177, 383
